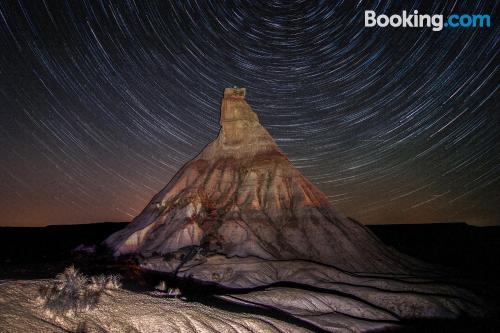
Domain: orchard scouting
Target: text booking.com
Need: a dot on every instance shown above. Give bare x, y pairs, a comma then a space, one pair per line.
436, 21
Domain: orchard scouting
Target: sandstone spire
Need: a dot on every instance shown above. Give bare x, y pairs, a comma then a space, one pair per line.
242, 196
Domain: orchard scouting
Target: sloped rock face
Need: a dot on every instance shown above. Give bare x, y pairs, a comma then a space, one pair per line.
240, 216
329, 298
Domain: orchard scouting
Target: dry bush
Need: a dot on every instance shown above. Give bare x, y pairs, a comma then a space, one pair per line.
113, 282
72, 291
162, 286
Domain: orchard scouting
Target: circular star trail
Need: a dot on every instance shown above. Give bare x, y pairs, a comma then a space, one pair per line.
101, 102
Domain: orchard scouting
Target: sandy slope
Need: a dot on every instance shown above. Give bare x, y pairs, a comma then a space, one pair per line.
124, 311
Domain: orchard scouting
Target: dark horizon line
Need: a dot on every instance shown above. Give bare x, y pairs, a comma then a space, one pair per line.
369, 224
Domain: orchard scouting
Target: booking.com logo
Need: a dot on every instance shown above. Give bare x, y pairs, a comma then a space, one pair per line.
436, 21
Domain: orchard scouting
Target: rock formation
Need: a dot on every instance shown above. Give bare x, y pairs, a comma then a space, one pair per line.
242, 216
241, 196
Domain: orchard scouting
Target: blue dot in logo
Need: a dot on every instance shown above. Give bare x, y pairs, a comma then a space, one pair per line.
446, 24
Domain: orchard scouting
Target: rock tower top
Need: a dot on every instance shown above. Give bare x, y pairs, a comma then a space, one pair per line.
235, 108
235, 92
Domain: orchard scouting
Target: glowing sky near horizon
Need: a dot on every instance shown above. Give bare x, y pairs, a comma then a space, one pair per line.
101, 102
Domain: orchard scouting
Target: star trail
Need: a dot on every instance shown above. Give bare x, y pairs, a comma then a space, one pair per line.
101, 102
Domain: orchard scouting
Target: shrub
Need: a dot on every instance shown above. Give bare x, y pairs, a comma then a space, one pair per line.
162, 286
97, 282
72, 291
173, 292
113, 282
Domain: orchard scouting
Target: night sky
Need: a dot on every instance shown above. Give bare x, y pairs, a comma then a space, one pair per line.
101, 102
